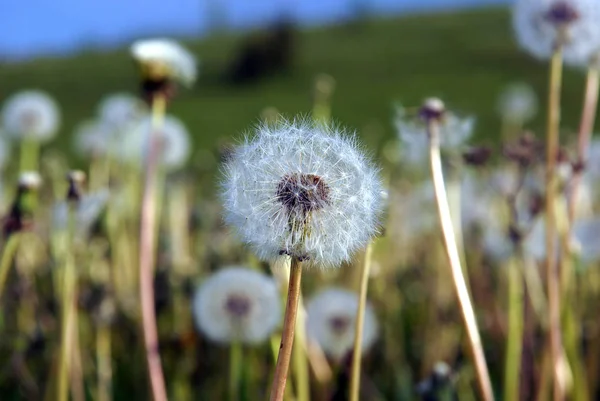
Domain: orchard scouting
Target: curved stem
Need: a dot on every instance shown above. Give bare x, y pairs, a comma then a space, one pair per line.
458, 278
8, 255
147, 255
552, 275
358, 327
586, 126
287, 335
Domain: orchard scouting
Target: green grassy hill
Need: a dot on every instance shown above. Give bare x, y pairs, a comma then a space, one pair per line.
463, 57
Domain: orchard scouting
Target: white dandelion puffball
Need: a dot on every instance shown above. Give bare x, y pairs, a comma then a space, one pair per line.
93, 138
181, 64
119, 110
32, 114
455, 131
88, 210
331, 317
237, 304
518, 103
303, 190
173, 141
541, 25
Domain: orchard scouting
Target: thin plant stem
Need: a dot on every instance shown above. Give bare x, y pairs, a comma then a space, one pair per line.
586, 126
514, 342
358, 326
103, 357
458, 278
235, 370
30, 154
552, 275
147, 254
8, 256
287, 335
300, 357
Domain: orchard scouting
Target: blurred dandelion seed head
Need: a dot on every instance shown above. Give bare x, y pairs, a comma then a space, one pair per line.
237, 304
31, 113
119, 110
541, 25
30, 180
331, 317
304, 190
518, 103
164, 59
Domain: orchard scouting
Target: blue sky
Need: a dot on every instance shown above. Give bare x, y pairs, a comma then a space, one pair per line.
32, 27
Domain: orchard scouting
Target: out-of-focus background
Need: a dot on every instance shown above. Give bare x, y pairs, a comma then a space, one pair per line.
378, 52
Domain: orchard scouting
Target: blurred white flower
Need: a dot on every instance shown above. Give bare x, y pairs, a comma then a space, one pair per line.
4, 151
119, 110
93, 138
410, 212
237, 304
173, 140
542, 24
518, 103
331, 317
88, 210
179, 62
454, 132
302, 189
30, 179
496, 243
32, 114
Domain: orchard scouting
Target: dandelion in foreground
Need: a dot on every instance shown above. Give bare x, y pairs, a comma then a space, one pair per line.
542, 26
304, 190
163, 62
331, 316
237, 304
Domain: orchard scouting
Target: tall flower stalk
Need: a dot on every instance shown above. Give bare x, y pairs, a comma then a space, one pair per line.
432, 112
359, 324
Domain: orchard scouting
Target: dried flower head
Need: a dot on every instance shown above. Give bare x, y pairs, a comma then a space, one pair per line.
33, 114
164, 60
237, 304
518, 103
173, 140
331, 317
542, 25
303, 190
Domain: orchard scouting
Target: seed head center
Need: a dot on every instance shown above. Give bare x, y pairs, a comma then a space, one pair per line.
339, 324
237, 306
303, 193
562, 13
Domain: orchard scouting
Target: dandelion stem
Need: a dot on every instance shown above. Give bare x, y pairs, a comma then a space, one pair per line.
147, 254
235, 370
358, 327
586, 126
301, 355
464, 300
103, 355
30, 154
514, 346
8, 255
287, 336
552, 276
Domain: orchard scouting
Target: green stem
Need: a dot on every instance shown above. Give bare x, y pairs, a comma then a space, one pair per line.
30, 154
8, 255
235, 370
358, 327
512, 367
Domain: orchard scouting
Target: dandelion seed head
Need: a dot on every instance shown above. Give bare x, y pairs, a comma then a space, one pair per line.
93, 138
304, 190
541, 25
331, 317
32, 114
165, 58
237, 304
172, 137
119, 110
518, 103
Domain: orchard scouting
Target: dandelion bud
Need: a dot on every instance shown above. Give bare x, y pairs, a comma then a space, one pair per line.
432, 109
